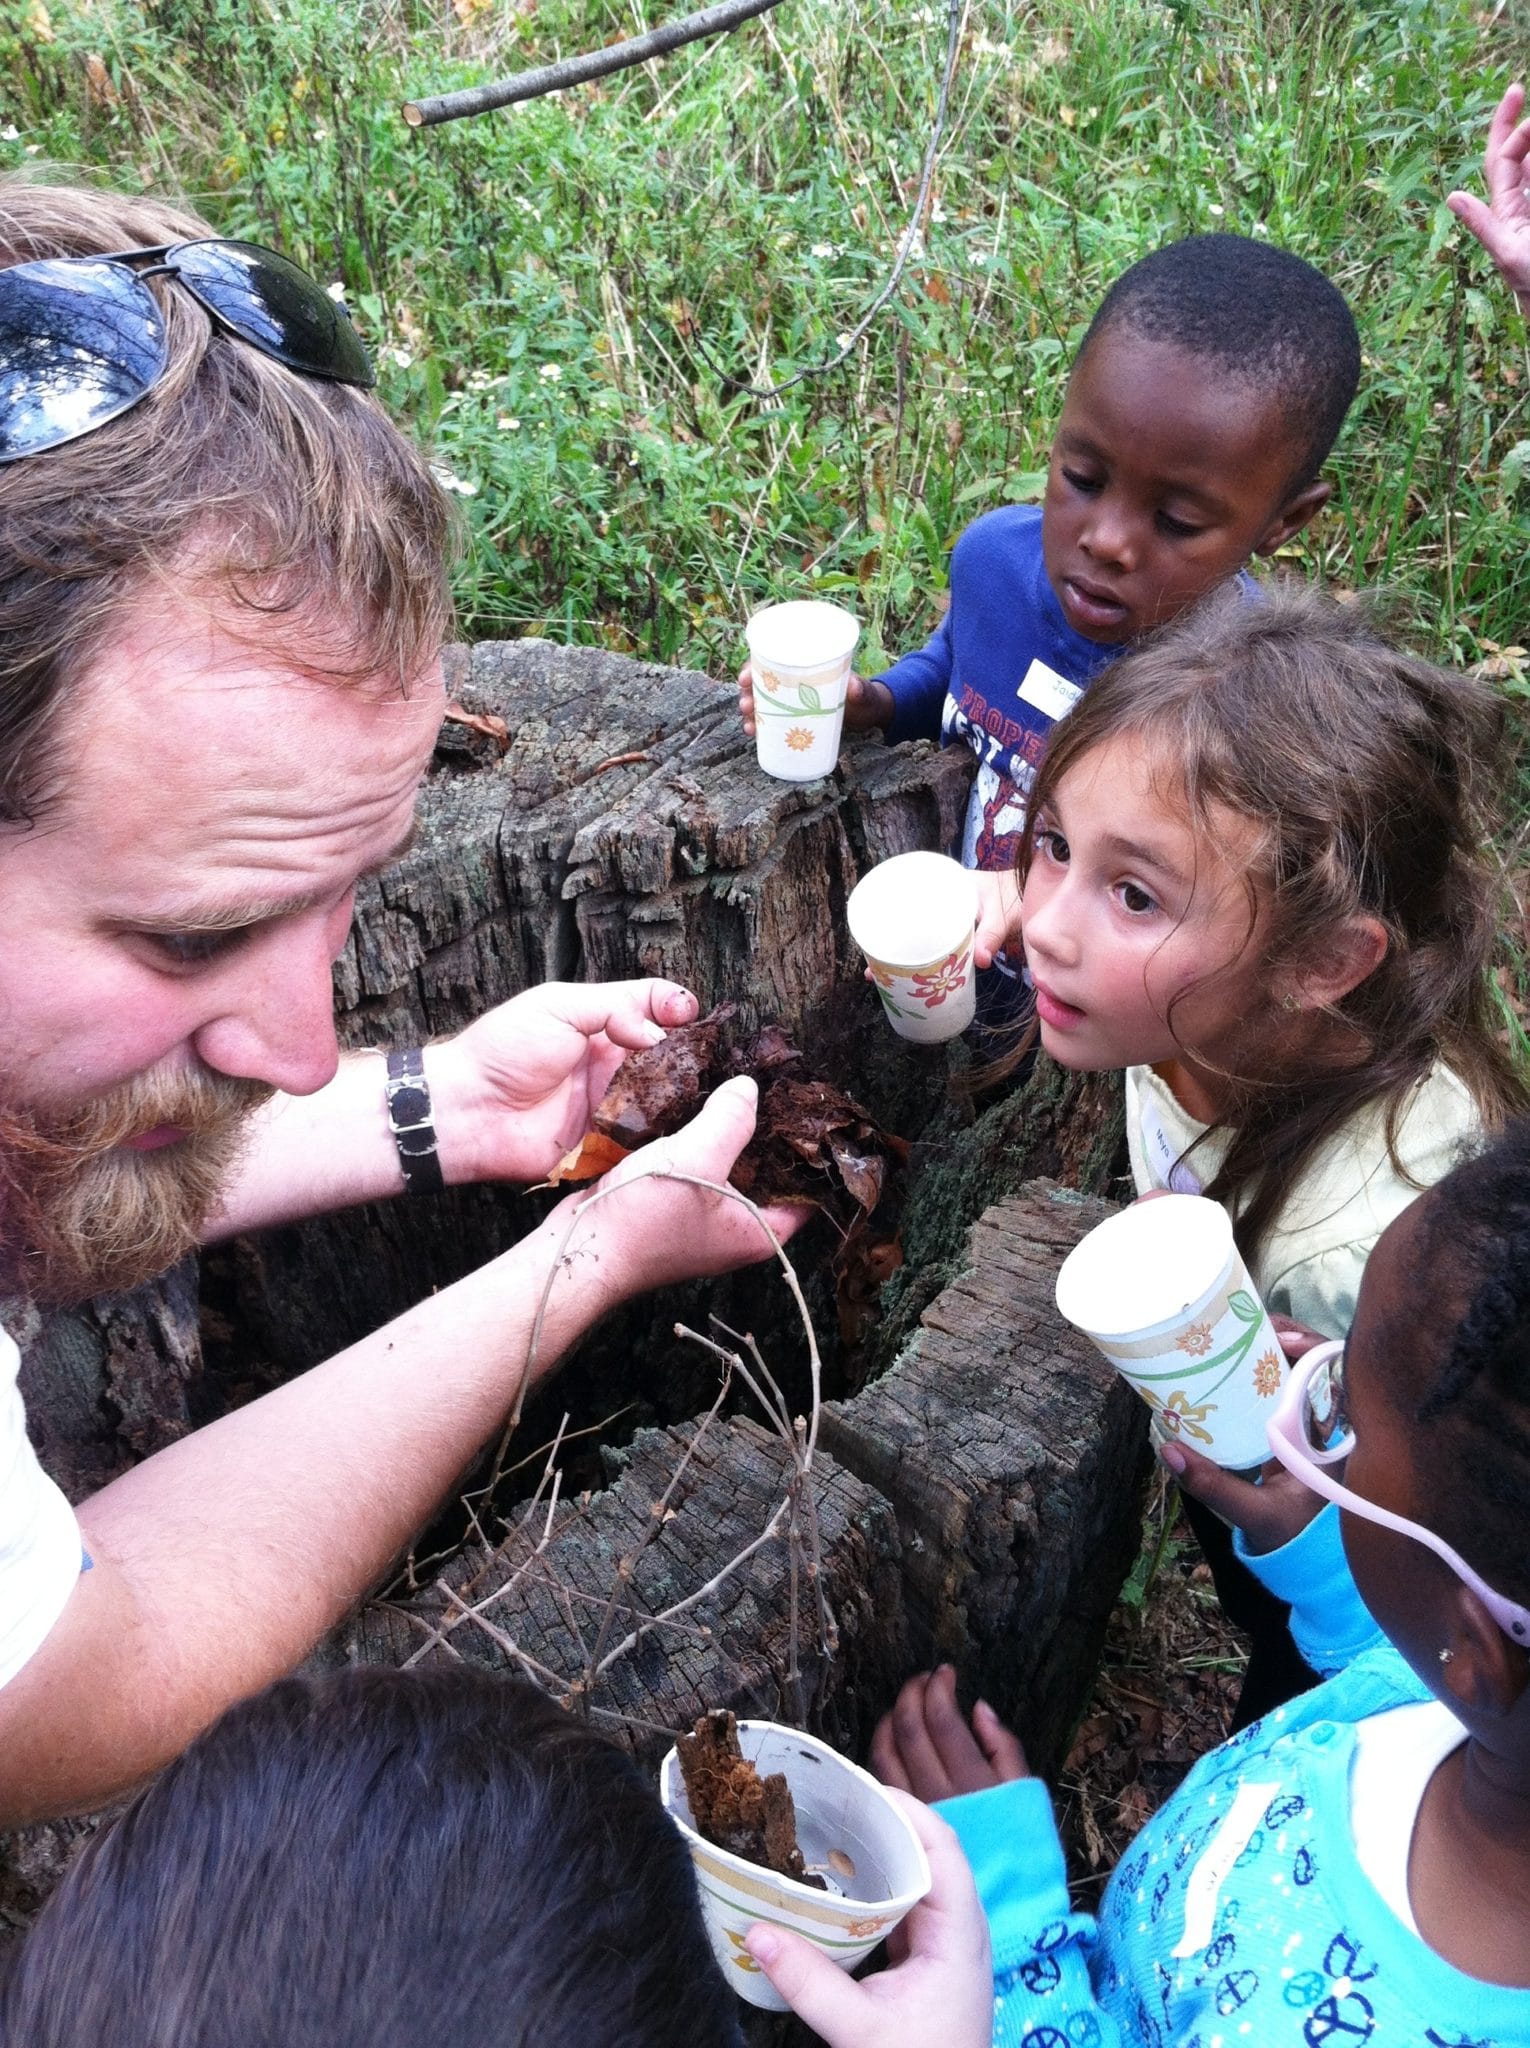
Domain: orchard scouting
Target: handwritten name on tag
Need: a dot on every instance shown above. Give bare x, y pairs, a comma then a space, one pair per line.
1051, 693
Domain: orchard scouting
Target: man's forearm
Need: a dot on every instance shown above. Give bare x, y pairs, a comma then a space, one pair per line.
309, 1154
221, 1560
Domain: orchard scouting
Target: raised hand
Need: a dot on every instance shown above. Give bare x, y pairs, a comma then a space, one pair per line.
927, 1747
516, 1089
1502, 223
941, 1990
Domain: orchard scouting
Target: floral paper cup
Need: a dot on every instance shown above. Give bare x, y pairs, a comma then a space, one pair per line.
801, 655
914, 917
851, 1835
1162, 1290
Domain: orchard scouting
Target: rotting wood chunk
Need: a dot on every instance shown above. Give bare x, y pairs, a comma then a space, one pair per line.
733, 1806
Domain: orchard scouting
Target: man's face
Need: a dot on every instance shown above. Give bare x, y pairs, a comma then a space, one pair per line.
167, 930
1165, 476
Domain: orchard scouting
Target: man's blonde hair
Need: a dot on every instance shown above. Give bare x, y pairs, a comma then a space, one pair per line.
292, 506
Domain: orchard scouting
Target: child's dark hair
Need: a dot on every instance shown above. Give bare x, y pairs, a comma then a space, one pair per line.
1373, 777
1259, 314
1467, 1332
381, 1859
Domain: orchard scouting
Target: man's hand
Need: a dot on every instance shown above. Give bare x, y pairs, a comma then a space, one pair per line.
1502, 224
940, 1990
1277, 1509
925, 1746
868, 706
659, 1229
998, 924
516, 1089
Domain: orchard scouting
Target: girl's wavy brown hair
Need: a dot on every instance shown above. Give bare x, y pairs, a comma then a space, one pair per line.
1374, 779
293, 508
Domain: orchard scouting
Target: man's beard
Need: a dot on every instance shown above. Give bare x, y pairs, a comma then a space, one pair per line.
80, 1215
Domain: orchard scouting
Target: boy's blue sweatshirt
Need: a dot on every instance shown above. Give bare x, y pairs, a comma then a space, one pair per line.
1241, 1913
1001, 669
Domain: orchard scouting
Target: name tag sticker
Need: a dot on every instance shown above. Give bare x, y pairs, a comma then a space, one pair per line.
1048, 691
1169, 1171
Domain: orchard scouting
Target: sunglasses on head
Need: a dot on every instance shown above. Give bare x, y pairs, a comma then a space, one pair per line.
1311, 1430
82, 338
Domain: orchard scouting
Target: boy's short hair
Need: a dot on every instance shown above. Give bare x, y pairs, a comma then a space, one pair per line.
1257, 313
381, 1859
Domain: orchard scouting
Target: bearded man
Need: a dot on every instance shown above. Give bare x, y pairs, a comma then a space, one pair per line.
222, 602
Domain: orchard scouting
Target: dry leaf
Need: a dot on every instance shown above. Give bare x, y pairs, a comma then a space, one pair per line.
594, 1155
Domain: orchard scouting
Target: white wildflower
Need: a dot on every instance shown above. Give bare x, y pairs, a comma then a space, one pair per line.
450, 481
844, 343
402, 356
1216, 211
823, 250
551, 372
507, 425
336, 291
10, 132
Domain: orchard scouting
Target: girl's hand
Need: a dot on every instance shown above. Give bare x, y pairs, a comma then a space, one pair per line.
1502, 225
867, 705
940, 1989
998, 924
926, 1747
1270, 1514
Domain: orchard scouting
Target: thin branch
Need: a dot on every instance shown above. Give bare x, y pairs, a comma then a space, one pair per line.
955, 10
531, 85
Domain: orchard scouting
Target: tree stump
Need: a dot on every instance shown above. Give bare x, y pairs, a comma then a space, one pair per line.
625, 831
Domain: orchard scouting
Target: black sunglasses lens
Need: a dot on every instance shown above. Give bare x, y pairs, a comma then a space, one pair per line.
80, 342
275, 306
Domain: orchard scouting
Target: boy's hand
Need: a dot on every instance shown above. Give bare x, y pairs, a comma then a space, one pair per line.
926, 1747
998, 924
868, 706
1502, 225
939, 1989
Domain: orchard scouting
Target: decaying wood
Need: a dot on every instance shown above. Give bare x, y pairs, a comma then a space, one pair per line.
734, 1651
1011, 1453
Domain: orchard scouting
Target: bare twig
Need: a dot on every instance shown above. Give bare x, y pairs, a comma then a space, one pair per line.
907, 242
531, 85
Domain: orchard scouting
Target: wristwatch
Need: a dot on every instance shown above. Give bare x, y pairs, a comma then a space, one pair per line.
407, 1093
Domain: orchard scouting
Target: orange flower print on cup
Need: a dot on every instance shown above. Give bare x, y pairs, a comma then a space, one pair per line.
799, 739
1196, 1340
1268, 1377
936, 983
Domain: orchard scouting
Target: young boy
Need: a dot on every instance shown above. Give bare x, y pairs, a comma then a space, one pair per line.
1209, 388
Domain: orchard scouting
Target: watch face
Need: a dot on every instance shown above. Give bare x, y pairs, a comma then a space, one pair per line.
408, 1103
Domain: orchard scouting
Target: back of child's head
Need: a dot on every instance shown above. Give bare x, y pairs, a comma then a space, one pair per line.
1373, 778
1458, 1364
381, 1859
1252, 313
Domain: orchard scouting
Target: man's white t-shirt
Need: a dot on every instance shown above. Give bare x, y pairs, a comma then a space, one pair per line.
40, 1550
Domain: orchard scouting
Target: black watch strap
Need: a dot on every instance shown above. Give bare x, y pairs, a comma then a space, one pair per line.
408, 1097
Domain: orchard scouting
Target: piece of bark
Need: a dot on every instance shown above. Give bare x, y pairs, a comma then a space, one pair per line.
733, 1806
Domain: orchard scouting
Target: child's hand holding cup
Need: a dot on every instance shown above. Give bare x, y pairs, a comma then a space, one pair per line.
798, 679
1161, 1289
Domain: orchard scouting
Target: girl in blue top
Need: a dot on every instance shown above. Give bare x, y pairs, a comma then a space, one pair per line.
1355, 1867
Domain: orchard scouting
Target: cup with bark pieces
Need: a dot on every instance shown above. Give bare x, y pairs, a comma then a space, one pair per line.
863, 1867
800, 654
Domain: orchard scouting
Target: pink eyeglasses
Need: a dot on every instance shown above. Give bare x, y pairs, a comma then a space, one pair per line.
1311, 1430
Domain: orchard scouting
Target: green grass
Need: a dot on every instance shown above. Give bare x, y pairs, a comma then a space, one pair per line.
555, 292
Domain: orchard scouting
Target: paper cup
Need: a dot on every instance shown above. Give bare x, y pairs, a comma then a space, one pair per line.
850, 1833
914, 917
801, 656
1163, 1291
